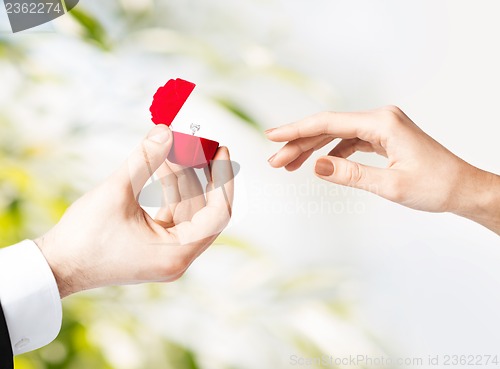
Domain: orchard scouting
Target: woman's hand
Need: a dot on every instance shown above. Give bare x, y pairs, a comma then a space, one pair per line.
421, 173
106, 238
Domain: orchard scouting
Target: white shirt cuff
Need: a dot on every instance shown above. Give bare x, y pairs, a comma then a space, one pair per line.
29, 297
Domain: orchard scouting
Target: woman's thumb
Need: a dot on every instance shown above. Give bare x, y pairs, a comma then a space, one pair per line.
349, 173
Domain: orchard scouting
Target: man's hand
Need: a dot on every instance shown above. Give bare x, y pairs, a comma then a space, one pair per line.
106, 238
421, 173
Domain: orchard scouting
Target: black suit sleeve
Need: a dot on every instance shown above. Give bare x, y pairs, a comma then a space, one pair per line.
5, 346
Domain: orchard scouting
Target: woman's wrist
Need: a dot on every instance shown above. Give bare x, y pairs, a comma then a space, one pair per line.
479, 198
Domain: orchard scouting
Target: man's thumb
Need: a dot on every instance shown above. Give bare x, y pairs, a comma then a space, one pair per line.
349, 173
146, 158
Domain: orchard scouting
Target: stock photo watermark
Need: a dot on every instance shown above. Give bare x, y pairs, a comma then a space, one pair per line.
425, 361
26, 14
308, 198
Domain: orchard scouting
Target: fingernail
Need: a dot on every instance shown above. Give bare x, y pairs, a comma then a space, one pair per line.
271, 158
324, 167
159, 134
269, 130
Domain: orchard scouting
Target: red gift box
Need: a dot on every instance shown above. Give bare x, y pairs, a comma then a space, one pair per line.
187, 150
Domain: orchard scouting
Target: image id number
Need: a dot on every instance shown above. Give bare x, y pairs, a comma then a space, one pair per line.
33, 8
471, 360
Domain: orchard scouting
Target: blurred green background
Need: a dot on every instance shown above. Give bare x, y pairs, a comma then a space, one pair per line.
75, 97
305, 267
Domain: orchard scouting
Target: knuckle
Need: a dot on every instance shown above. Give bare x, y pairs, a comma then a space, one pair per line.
223, 218
291, 149
181, 172
323, 115
175, 266
393, 108
221, 215
176, 277
390, 119
323, 120
354, 174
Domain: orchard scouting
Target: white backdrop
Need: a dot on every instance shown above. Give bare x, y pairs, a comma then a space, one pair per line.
425, 283
428, 283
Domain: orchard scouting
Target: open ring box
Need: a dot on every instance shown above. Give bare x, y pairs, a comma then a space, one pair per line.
187, 150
